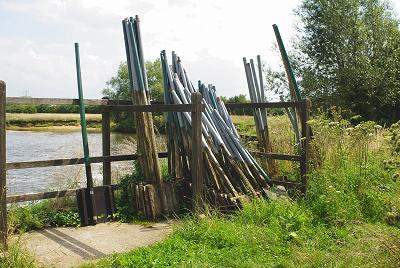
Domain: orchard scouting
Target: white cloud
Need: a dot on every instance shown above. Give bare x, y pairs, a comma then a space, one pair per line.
211, 36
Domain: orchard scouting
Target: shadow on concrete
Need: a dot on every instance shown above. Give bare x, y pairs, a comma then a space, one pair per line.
72, 244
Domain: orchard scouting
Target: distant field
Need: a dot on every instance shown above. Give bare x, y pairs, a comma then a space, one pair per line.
45, 121
50, 117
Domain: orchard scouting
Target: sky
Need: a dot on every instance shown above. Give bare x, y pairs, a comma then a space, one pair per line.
211, 36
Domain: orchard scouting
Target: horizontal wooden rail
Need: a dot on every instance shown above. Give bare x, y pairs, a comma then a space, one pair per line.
107, 102
287, 184
74, 161
40, 196
44, 195
276, 156
60, 101
286, 104
55, 101
149, 108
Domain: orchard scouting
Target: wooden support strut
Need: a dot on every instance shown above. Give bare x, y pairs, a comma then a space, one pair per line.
106, 144
197, 155
306, 137
3, 172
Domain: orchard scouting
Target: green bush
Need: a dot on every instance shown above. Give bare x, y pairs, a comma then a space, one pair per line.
47, 213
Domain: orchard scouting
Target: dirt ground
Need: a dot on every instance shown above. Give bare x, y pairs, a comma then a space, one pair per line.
66, 247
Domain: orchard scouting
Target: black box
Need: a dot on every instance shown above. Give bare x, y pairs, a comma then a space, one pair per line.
96, 204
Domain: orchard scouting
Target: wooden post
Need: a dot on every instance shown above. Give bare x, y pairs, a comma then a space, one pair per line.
3, 173
305, 139
197, 155
106, 136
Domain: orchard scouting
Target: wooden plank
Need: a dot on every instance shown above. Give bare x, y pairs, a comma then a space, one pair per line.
305, 134
3, 171
231, 106
45, 195
276, 156
106, 147
62, 101
149, 108
197, 155
288, 184
40, 196
54, 101
74, 161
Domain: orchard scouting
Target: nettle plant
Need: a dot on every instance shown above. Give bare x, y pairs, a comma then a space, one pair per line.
393, 164
395, 138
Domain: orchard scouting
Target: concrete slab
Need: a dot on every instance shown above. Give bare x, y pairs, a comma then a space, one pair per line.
67, 247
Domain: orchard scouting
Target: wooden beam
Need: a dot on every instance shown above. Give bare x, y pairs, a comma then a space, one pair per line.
61, 101
3, 171
276, 156
54, 101
231, 106
305, 139
45, 195
40, 196
106, 147
288, 184
74, 161
157, 108
197, 155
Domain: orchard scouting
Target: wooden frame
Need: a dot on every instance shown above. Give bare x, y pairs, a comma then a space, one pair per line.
109, 106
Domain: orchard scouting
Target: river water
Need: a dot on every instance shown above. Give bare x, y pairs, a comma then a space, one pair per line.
33, 146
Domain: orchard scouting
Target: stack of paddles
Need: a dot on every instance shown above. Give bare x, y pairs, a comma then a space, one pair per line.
231, 172
256, 91
150, 197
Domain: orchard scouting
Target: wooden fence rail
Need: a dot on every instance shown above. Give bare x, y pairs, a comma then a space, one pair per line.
75, 161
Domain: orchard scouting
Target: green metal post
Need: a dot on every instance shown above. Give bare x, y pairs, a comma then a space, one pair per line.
88, 169
89, 178
286, 62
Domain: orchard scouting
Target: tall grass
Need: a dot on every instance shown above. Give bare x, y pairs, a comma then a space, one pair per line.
349, 217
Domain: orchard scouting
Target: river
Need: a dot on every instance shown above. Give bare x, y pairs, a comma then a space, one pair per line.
33, 146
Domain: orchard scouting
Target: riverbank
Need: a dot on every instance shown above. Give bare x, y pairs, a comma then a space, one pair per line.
51, 122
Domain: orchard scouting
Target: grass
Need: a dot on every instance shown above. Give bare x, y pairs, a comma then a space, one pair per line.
266, 234
349, 218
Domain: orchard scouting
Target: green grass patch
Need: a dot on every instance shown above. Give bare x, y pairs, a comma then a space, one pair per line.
280, 233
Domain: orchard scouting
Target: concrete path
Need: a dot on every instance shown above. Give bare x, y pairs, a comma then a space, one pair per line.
66, 247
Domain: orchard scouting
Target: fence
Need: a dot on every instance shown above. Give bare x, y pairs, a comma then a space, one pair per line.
109, 106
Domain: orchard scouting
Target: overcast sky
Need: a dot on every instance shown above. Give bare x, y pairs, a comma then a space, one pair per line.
211, 36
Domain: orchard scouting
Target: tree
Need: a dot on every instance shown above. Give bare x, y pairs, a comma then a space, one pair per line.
348, 55
117, 88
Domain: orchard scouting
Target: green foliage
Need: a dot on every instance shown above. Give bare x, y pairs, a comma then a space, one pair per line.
44, 214
15, 257
348, 55
21, 108
395, 138
276, 233
124, 196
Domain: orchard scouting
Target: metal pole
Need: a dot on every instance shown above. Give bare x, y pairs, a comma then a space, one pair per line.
83, 119
286, 62
88, 169
3, 172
